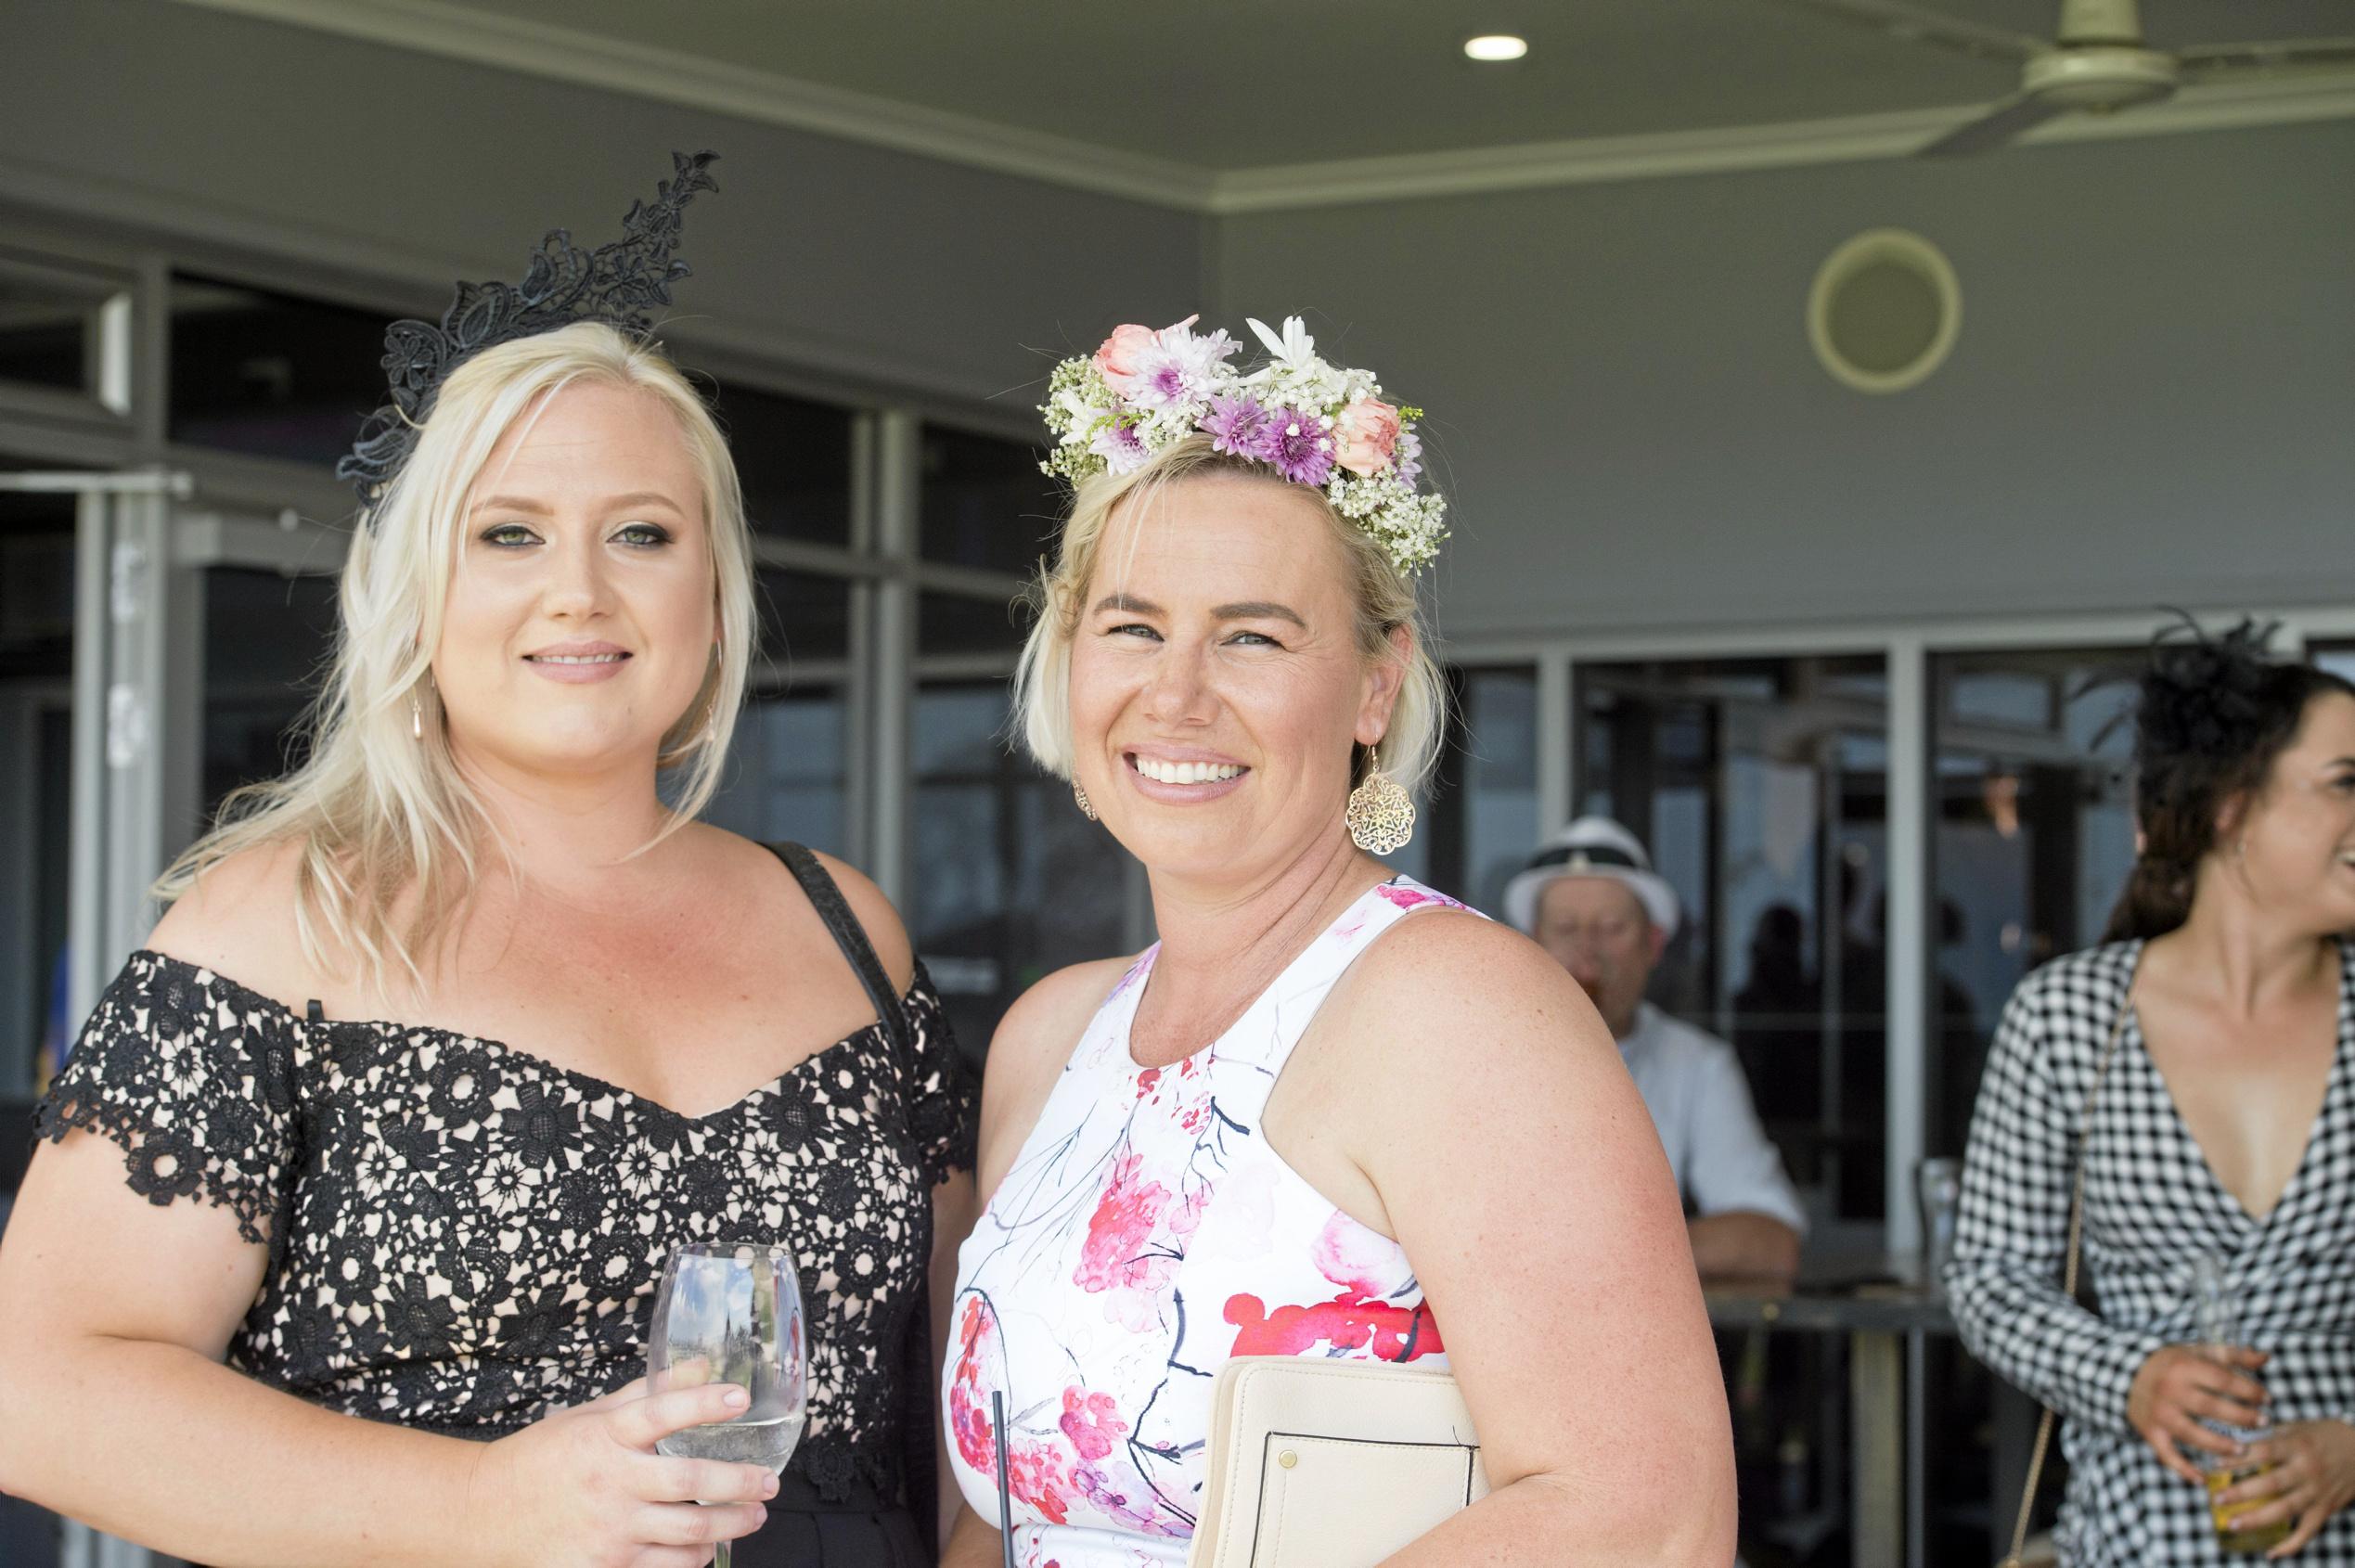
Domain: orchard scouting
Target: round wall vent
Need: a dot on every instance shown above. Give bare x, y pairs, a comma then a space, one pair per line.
1884, 311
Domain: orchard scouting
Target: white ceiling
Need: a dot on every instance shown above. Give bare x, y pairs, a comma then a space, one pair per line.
1195, 92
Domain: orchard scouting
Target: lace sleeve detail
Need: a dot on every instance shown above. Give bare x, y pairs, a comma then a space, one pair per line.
944, 1102
192, 1077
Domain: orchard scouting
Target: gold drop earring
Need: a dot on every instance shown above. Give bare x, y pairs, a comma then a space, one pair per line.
1381, 817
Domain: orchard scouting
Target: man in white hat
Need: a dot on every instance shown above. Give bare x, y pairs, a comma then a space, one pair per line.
1591, 898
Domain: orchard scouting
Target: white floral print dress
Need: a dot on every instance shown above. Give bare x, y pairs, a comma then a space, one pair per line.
1145, 1233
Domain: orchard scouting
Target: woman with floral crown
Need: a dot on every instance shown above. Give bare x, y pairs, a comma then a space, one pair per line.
380, 1292
1332, 1113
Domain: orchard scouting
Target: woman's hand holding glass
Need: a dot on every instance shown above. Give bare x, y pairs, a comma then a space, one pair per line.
728, 1316
586, 1485
2180, 1386
2311, 1478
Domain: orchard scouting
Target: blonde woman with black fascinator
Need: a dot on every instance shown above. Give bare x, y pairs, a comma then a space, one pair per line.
1331, 1115
358, 1184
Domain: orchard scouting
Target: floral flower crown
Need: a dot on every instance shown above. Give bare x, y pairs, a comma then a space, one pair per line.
1314, 423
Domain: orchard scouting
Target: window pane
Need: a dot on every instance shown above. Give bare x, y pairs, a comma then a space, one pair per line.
805, 619
270, 374
49, 327
1476, 821
2338, 658
984, 503
1761, 787
2032, 838
1013, 883
960, 623
266, 637
1499, 775
36, 734
788, 772
794, 459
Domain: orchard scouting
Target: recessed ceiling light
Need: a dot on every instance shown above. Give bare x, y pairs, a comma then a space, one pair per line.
1496, 47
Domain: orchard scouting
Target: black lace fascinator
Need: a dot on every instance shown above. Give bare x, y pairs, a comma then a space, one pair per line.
618, 283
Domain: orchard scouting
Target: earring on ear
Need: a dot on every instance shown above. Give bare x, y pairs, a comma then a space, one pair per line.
1079, 797
417, 717
1381, 817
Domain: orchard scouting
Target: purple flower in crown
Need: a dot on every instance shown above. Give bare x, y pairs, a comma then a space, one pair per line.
1120, 445
1409, 456
1237, 425
1298, 446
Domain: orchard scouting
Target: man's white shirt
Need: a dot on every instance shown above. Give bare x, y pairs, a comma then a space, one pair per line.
1691, 1082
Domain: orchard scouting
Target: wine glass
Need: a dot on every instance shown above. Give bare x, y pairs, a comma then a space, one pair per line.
732, 1312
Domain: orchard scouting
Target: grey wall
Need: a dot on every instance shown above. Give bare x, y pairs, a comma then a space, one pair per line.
2152, 398
853, 260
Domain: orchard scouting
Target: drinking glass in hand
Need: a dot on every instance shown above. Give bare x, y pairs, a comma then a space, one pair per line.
732, 1312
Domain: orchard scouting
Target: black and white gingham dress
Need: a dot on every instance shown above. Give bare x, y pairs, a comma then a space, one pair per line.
2152, 1205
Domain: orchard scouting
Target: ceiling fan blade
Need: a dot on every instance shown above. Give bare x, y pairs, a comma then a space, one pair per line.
2206, 61
1992, 130
1897, 18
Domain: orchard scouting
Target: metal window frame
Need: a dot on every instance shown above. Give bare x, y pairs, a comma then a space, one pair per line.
1906, 648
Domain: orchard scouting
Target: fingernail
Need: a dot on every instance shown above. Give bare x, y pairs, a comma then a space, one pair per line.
769, 1487
736, 1398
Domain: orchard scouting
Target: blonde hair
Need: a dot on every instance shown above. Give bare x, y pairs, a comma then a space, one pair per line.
1384, 602
382, 819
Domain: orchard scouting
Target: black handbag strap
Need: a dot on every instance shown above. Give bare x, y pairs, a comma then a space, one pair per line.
850, 937
918, 1473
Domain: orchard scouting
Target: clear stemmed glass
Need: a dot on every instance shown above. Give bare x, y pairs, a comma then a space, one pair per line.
732, 1312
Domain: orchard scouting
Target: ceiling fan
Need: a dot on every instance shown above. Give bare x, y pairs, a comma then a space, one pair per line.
2097, 62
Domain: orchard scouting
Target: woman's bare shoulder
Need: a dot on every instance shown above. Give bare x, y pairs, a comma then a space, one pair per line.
758, 870
238, 920
1046, 1019
1454, 966
882, 924
1027, 1054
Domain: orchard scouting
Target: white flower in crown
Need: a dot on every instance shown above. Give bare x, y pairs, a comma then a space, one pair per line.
1171, 368
1314, 423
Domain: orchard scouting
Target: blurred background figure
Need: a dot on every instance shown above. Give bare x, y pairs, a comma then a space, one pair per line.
2184, 1083
1591, 898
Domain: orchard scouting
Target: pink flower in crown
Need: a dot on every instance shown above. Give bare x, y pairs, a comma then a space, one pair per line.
1123, 356
1093, 1422
1369, 433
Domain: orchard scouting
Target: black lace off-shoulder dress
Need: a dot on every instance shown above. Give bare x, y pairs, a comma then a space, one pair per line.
463, 1236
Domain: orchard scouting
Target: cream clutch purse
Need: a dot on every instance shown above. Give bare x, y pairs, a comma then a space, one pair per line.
1331, 1464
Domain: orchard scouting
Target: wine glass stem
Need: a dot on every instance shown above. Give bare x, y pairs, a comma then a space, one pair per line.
721, 1559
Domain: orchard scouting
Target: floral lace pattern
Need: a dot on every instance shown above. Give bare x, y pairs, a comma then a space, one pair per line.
463, 1236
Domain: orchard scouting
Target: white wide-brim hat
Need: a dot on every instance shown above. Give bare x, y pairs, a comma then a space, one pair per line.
1592, 846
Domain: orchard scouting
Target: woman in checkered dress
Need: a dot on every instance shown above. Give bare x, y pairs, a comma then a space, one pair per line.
2224, 1124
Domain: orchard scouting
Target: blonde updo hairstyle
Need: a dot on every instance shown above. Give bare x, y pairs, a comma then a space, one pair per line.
388, 828
1384, 602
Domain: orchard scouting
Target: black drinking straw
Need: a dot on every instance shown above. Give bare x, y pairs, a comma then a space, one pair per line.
1005, 1493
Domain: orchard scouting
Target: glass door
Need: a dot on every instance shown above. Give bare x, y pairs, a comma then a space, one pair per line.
1761, 787
2031, 839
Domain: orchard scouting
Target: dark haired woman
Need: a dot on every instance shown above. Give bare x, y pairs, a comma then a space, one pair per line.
2220, 1020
